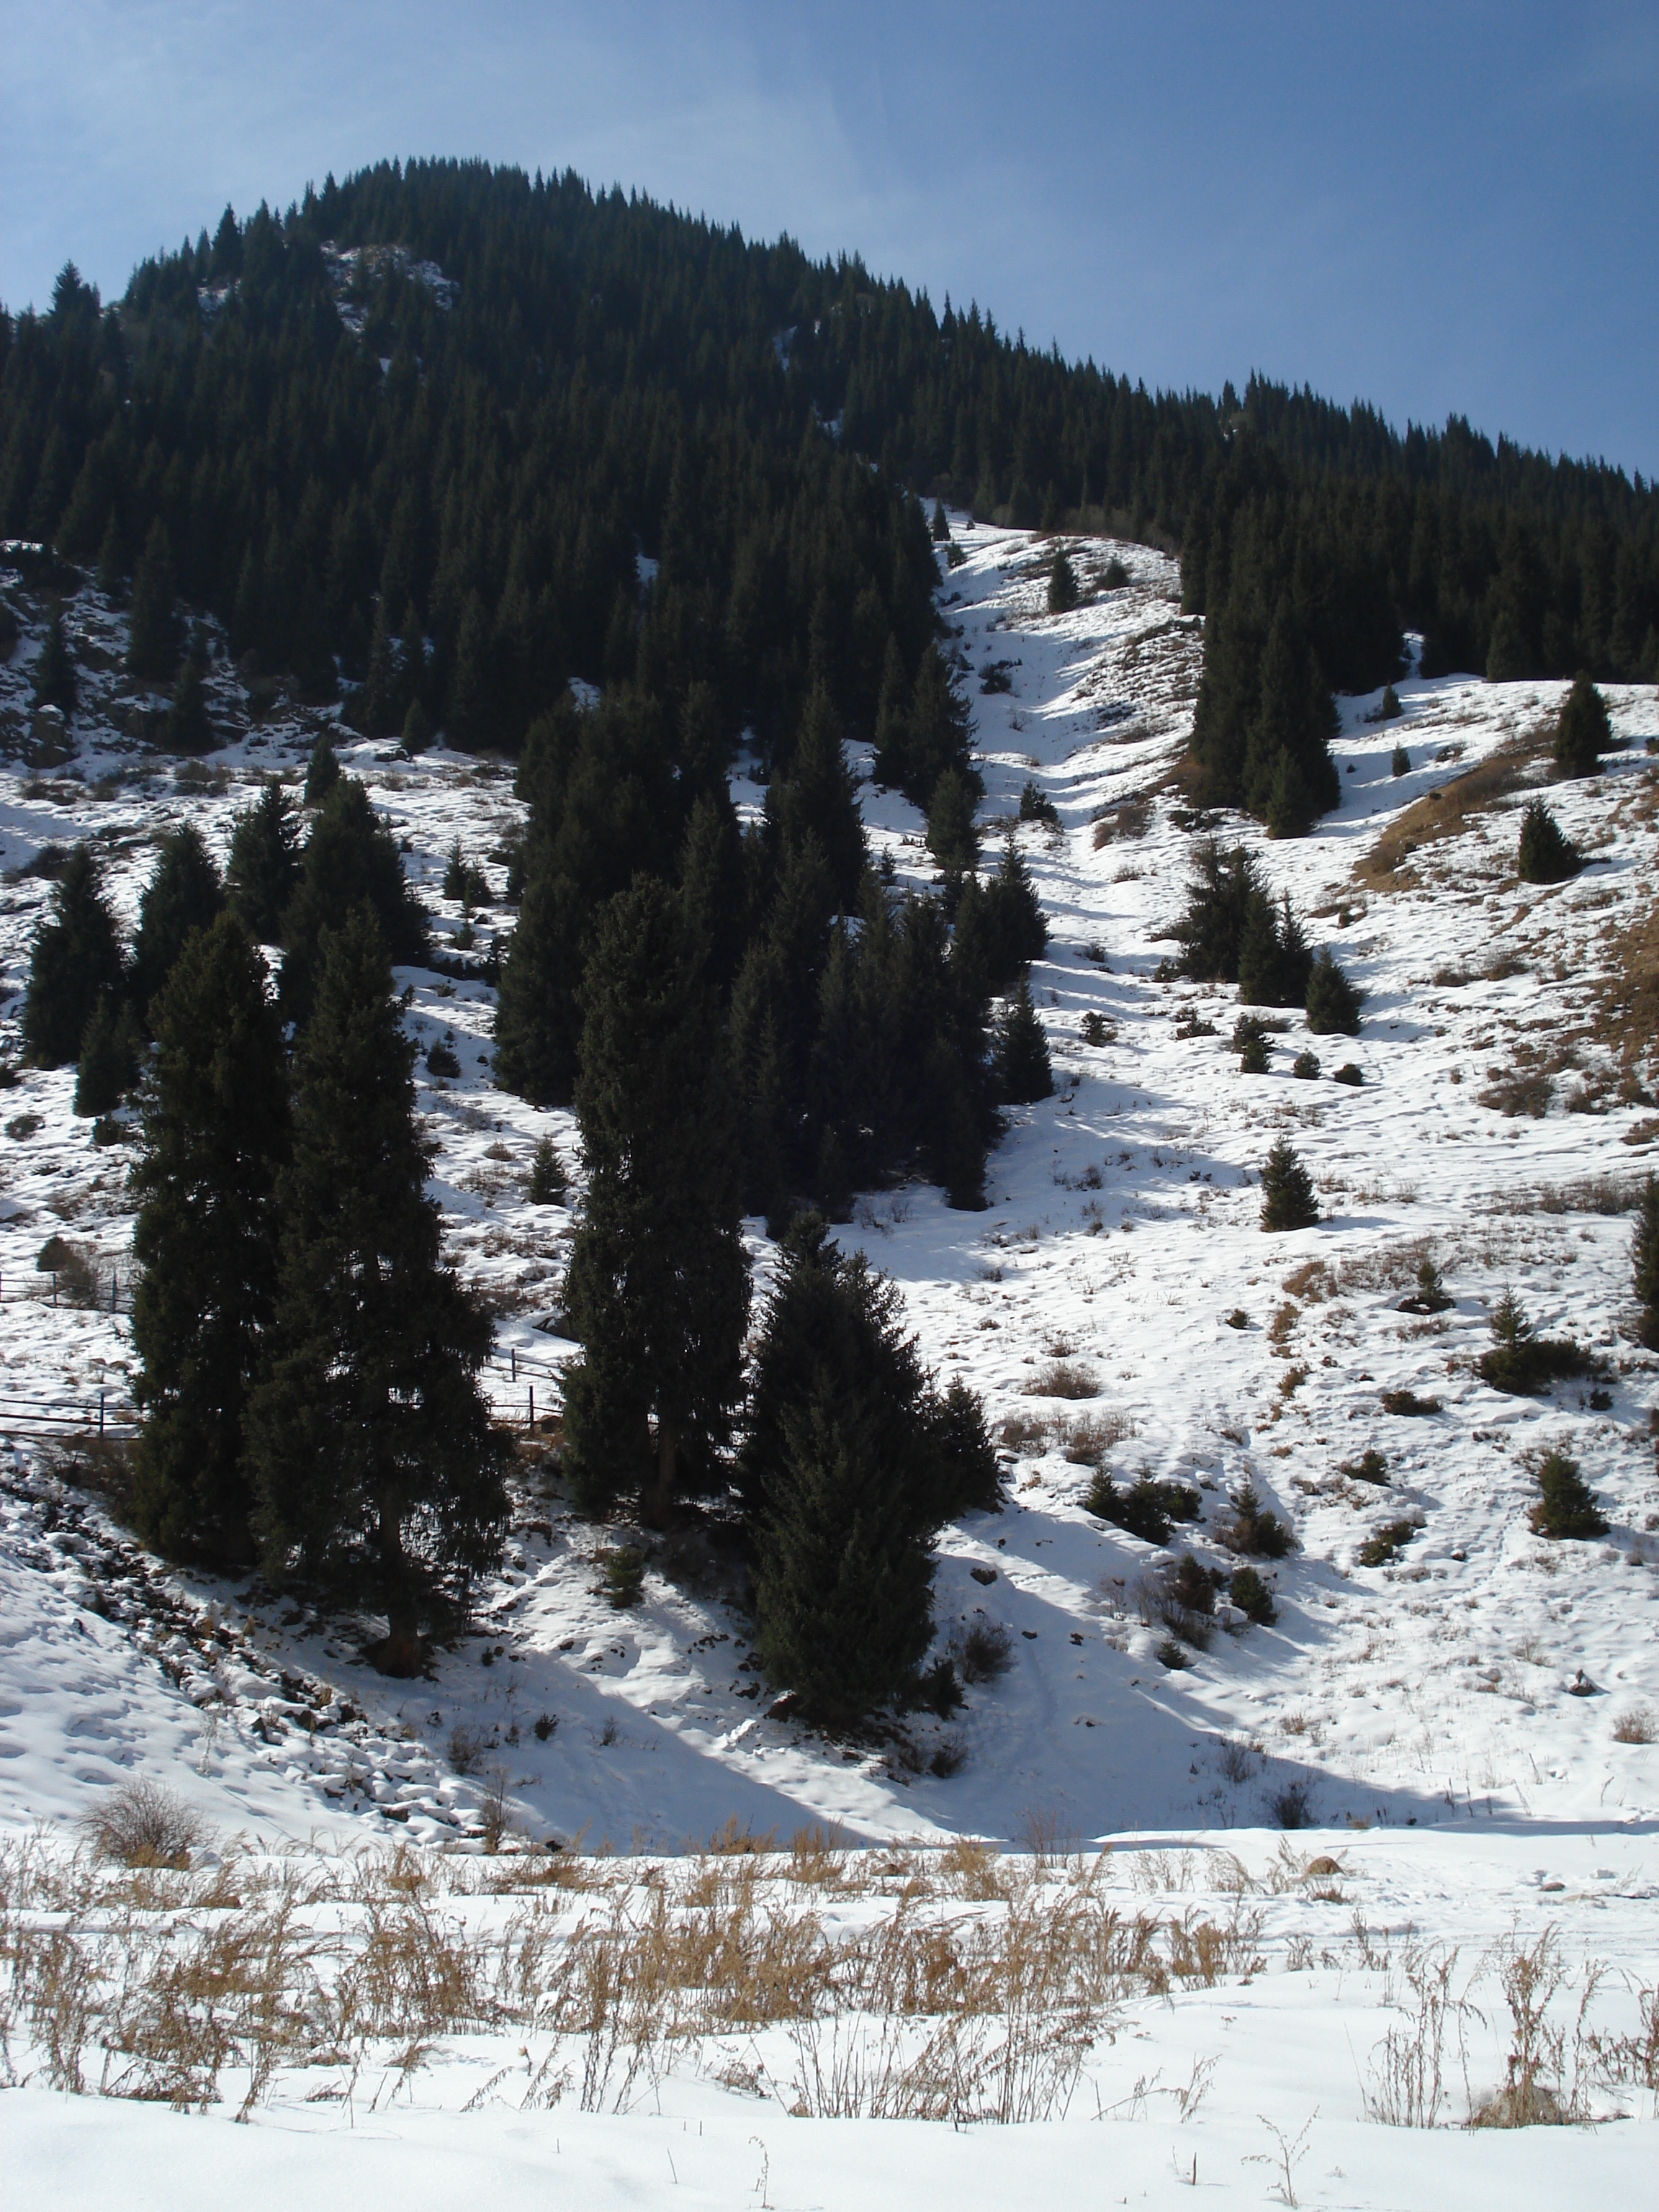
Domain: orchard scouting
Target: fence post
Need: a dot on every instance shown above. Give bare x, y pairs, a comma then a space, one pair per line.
114, 1285
512, 1354
100, 1413
54, 1286
533, 1408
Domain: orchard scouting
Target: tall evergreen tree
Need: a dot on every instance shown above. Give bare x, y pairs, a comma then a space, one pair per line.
74, 960
376, 1471
153, 622
817, 796
1062, 583
184, 894
190, 730
215, 1123
1023, 1073
56, 683
263, 866
657, 1290
350, 859
952, 838
850, 1465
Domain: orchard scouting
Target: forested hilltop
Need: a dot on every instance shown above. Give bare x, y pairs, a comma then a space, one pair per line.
431, 470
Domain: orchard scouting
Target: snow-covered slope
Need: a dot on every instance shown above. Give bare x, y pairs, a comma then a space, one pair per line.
1438, 1692
1122, 1236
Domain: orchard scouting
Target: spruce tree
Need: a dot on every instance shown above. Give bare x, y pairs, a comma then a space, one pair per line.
263, 865
1544, 855
1583, 731
184, 894
941, 527
215, 1133
350, 859
189, 729
55, 681
1566, 1505
74, 960
817, 796
377, 1471
851, 1463
1023, 1073
952, 839
1644, 1261
322, 770
1287, 1191
1062, 584
1333, 1002
658, 1289
108, 1066
152, 625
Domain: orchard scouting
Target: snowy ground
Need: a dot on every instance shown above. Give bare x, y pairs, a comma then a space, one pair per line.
1429, 1695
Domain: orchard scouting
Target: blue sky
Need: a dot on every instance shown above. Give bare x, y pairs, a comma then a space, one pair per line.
1435, 207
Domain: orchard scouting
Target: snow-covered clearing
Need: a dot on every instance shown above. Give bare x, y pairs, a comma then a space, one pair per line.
1421, 1711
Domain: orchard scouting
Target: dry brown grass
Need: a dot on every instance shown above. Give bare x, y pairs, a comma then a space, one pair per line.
1449, 811
973, 1995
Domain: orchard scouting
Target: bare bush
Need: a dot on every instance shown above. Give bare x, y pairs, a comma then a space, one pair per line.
144, 1824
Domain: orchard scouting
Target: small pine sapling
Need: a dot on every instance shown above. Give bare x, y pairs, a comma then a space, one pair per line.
1023, 1073
1401, 762
548, 1181
1431, 1296
1333, 1001
1062, 585
1583, 731
1305, 1066
1544, 854
1254, 1529
1287, 1191
1566, 1505
1253, 1597
322, 770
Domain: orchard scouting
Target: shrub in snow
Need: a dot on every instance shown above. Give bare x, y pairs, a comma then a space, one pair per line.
1545, 856
1254, 1530
1581, 731
1035, 805
1521, 1363
1253, 1597
984, 1652
144, 1824
1566, 1505
1333, 1002
1305, 1066
1349, 1074
1287, 1191
1401, 762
